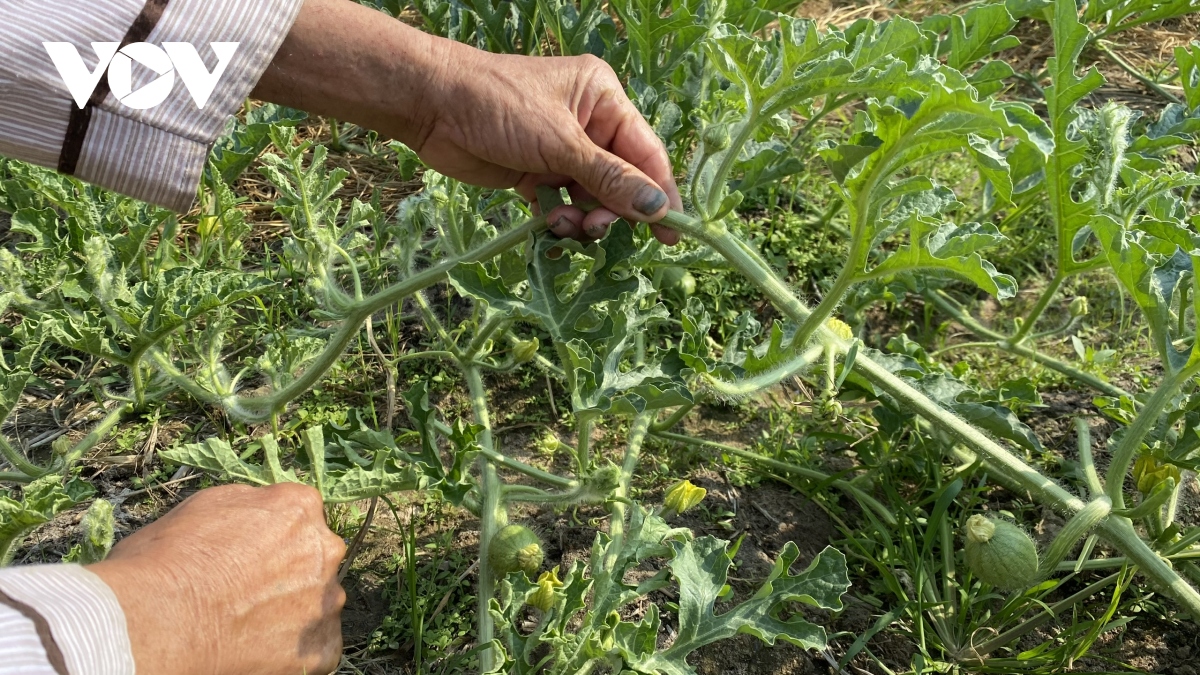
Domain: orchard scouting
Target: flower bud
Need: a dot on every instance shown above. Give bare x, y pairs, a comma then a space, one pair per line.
831, 408
681, 497
716, 137
1148, 473
524, 350
1078, 306
548, 443
97, 531
543, 597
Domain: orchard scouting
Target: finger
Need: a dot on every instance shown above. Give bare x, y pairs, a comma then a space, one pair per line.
665, 234
529, 183
305, 499
632, 139
614, 123
595, 223
335, 551
566, 221
619, 186
579, 194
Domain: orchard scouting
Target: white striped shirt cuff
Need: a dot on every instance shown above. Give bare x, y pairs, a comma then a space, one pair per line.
157, 154
21, 651
84, 617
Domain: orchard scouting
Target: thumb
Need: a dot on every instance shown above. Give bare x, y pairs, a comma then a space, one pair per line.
621, 187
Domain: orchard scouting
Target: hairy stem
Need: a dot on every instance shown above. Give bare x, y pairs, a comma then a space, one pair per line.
260, 407
1131, 440
755, 383
616, 507
97, 434
492, 515
1043, 302
1118, 531
531, 471
1083, 435
19, 462
949, 306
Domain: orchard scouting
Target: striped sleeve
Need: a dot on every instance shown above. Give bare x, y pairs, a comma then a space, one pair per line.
154, 153
77, 624
21, 650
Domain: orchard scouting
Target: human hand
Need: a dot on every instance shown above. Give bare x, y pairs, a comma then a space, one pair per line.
502, 120
234, 580
490, 119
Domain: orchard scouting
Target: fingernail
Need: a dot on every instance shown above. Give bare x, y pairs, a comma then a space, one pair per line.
596, 230
649, 199
561, 224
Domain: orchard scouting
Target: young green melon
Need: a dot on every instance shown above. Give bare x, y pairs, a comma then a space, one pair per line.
1000, 553
678, 282
515, 548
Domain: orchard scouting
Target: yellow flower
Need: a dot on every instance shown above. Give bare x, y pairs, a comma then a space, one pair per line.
840, 328
681, 497
543, 597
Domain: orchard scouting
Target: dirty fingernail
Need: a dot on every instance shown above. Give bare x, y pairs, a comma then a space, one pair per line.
596, 230
649, 199
561, 225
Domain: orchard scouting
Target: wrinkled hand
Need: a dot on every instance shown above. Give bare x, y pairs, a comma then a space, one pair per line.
234, 580
505, 121
490, 119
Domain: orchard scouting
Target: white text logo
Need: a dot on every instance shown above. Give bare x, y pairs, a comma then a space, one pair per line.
166, 61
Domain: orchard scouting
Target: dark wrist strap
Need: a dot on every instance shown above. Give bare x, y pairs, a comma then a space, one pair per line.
53, 654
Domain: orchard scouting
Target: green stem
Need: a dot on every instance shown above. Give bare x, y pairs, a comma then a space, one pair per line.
97, 434
966, 345
433, 354
675, 417
1048, 294
494, 323
9, 544
583, 451
19, 462
531, 471
721, 176
1119, 561
1131, 440
1117, 531
1135, 73
435, 323
749, 385
492, 515
14, 477
949, 306
1083, 435
616, 508
812, 474
1076, 528
829, 302
961, 315
1187, 540
260, 407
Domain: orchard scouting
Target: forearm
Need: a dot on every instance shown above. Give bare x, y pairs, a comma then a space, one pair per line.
355, 64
